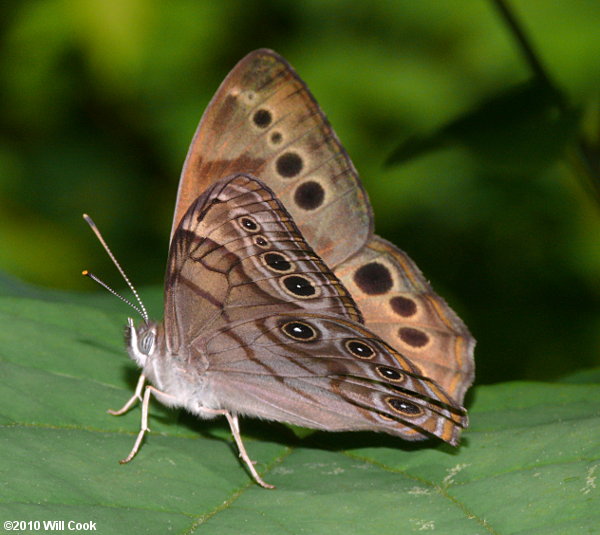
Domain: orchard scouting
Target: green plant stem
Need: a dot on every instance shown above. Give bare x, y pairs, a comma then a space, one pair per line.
582, 156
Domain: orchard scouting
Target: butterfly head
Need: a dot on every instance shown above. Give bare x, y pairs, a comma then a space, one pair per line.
140, 341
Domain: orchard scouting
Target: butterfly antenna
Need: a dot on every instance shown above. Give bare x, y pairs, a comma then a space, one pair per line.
141, 309
90, 275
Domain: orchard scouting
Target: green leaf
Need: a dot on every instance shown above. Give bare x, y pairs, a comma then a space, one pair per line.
528, 464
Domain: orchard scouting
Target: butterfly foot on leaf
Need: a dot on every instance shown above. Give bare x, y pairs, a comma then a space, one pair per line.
136, 446
261, 481
113, 412
126, 407
137, 396
266, 485
250, 464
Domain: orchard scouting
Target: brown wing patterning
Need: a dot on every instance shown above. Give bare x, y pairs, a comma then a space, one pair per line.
264, 121
237, 254
399, 305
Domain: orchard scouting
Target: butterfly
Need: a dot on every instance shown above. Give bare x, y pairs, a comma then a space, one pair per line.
280, 302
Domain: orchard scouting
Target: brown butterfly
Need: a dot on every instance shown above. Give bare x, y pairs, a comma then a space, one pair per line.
280, 302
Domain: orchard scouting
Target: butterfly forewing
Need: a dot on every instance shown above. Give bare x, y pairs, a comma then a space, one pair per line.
264, 121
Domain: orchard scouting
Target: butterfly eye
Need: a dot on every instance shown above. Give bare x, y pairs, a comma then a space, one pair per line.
299, 286
298, 330
277, 262
146, 342
390, 374
360, 349
404, 407
249, 223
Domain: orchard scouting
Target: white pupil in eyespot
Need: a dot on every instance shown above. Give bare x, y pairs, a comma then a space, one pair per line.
249, 223
299, 331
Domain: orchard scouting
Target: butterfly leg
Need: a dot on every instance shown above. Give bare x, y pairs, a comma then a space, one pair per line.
137, 396
235, 431
144, 427
234, 425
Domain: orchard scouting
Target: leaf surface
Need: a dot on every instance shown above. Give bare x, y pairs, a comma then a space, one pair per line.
528, 464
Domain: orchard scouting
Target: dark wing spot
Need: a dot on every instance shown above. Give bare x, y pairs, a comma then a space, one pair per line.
248, 223
289, 165
360, 349
276, 137
373, 278
413, 337
403, 406
277, 262
309, 195
303, 332
261, 241
300, 286
390, 373
262, 118
403, 306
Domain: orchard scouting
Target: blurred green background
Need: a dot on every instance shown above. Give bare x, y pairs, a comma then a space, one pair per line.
100, 98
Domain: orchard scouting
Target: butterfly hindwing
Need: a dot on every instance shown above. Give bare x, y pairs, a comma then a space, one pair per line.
237, 253
399, 305
325, 372
267, 315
